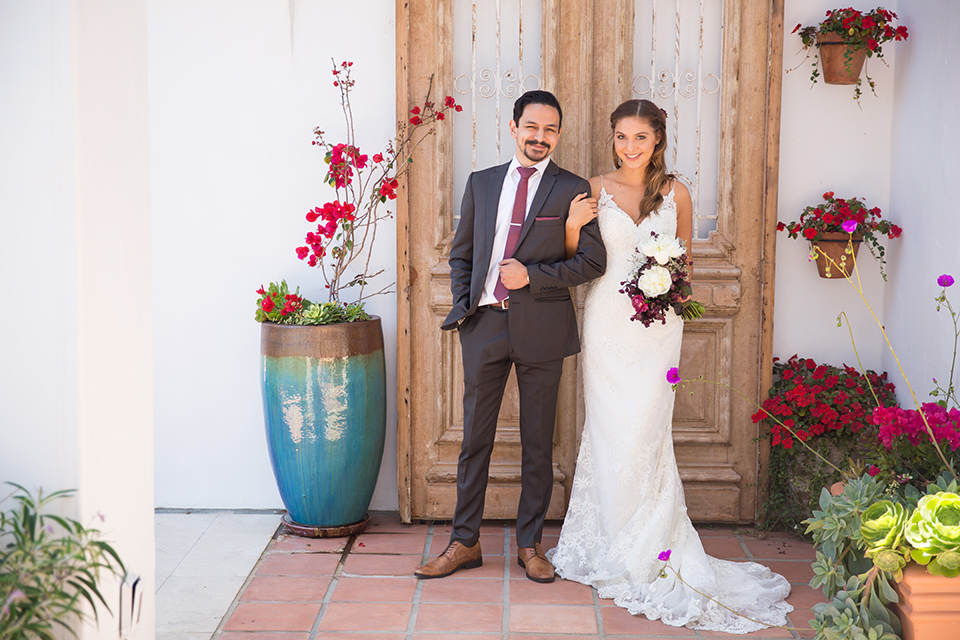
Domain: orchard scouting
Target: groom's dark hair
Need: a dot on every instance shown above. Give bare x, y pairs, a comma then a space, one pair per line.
535, 97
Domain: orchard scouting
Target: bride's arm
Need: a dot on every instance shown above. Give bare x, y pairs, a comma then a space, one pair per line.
685, 220
583, 209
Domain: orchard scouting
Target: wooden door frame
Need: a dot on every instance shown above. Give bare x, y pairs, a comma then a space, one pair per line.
749, 146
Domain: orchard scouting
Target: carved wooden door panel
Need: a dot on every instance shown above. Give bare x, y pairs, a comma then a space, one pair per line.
593, 54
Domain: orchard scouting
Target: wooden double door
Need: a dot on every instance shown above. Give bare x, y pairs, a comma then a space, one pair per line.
587, 54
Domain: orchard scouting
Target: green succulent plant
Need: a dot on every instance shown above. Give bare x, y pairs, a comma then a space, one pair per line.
881, 526
332, 313
933, 531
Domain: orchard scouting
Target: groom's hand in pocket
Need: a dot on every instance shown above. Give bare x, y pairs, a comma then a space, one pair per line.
513, 274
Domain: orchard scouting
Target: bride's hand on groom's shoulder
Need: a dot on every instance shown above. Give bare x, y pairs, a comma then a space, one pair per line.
583, 209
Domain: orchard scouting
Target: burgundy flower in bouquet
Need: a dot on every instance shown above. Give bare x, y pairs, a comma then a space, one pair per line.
661, 282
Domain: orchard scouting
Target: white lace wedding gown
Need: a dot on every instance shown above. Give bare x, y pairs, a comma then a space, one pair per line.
627, 503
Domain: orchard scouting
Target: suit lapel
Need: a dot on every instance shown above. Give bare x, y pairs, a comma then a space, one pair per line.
546, 184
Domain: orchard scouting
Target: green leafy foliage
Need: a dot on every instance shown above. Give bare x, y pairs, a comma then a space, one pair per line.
49, 567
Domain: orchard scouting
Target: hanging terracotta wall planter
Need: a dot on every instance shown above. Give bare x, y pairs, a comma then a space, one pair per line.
834, 245
841, 62
929, 606
324, 406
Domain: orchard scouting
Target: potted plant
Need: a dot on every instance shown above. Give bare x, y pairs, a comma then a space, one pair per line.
845, 39
829, 225
888, 553
827, 409
322, 363
876, 536
50, 567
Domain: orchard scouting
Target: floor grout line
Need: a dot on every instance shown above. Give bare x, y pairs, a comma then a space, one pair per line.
598, 612
334, 581
186, 553
418, 590
505, 625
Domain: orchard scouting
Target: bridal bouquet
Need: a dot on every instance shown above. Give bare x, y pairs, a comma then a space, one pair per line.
661, 282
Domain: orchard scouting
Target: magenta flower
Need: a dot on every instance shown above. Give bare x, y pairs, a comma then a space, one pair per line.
664, 556
945, 280
673, 375
872, 470
849, 226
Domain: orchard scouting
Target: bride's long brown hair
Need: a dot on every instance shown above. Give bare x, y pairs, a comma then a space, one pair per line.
657, 177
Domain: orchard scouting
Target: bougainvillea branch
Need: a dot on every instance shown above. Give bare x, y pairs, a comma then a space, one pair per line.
347, 226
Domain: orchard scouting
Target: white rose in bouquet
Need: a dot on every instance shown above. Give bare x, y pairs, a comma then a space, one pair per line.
661, 248
655, 281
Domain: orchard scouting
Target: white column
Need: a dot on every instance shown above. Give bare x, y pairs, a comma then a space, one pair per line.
114, 344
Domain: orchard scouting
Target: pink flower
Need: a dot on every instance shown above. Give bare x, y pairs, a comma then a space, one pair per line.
873, 470
946, 280
849, 226
673, 375
302, 252
664, 556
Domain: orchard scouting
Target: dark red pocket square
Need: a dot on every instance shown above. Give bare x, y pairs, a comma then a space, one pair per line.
548, 218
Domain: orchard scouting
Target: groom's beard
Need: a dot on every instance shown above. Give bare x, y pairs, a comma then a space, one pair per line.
536, 151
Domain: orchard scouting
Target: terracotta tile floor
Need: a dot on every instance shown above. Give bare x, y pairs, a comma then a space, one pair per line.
361, 588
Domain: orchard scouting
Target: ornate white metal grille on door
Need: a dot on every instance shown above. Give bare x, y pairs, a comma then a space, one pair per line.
676, 62
496, 58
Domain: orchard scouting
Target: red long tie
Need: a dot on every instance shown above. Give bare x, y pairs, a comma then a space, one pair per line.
516, 224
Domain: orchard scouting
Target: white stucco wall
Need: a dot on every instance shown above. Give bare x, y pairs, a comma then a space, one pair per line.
828, 143
236, 90
925, 168
38, 382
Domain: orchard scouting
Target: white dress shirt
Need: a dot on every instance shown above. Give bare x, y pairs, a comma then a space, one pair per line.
508, 193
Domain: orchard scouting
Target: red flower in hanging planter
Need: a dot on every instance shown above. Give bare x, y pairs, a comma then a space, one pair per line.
834, 213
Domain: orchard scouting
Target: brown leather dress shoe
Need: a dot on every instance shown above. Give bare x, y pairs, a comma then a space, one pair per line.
538, 567
456, 556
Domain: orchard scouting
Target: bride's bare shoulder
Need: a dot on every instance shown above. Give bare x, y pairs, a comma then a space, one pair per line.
595, 184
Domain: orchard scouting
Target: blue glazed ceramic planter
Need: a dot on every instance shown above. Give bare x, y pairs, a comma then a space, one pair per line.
324, 407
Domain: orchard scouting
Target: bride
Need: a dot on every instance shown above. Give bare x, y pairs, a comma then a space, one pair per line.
627, 503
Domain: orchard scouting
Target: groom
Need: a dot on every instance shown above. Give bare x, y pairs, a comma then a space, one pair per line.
511, 304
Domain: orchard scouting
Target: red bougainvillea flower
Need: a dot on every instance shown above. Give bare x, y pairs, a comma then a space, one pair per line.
946, 280
415, 120
415, 111
378, 157
302, 252
664, 556
440, 116
673, 375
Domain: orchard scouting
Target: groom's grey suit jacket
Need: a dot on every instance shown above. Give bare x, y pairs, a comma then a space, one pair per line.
542, 321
